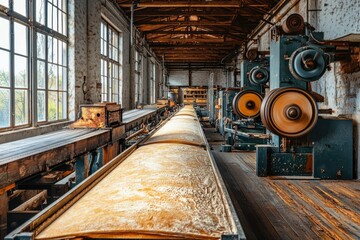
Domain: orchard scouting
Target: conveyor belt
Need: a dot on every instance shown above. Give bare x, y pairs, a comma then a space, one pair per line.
13, 151
23, 158
135, 117
166, 190
132, 115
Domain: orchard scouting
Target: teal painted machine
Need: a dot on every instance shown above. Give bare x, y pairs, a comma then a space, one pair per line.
226, 115
302, 144
246, 130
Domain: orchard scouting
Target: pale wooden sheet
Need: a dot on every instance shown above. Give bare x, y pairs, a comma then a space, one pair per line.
170, 192
179, 130
187, 110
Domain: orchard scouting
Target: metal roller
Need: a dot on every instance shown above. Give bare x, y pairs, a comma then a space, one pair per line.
289, 112
308, 64
259, 75
294, 24
246, 104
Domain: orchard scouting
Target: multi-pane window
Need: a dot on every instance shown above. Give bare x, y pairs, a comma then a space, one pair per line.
111, 63
138, 78
40, 33
14, 69
51, 60
152, 82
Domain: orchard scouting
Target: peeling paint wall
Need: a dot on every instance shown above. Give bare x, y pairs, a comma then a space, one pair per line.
336, 19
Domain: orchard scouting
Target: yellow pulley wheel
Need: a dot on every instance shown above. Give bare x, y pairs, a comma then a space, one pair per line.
289, 112
246, 104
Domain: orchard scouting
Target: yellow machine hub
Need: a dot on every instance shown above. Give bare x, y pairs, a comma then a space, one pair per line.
247, 104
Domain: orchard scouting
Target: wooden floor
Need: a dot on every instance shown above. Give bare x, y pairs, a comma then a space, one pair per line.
287, 209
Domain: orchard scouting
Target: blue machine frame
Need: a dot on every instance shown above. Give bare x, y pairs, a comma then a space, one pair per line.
245, 133
326, 152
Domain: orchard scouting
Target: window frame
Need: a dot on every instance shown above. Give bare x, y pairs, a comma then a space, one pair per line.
29, 20
152, 79
49, 32
113, 75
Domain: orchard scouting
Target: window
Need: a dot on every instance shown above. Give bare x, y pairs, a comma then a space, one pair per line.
49, 48
111, 63
51, 60
152, 82
138, 78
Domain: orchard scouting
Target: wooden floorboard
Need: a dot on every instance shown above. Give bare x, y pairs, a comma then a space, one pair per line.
279, 208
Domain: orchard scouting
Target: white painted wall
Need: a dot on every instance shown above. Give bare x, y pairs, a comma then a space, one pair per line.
198, 77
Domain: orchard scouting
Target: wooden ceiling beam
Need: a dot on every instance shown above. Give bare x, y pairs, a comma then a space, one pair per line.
195, 45
149, 32
194, 40
188, 4
212, 56
183, 13
188, 40
193, 50
183, 23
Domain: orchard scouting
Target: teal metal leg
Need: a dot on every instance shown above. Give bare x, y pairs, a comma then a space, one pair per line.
80, 172
96, 161
262, 160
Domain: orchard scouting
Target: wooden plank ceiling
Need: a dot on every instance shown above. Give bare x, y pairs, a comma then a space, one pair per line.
196, 32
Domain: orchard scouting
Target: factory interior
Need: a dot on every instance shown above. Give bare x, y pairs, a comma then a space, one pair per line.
181, 119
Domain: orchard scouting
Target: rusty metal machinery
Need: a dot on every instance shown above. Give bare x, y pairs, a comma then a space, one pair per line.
157, 189
246, 104
289, 112
302, 144
244, 129
294, 24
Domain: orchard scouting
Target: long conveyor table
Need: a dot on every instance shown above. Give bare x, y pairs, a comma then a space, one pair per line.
29, 156
135, 117
23, 158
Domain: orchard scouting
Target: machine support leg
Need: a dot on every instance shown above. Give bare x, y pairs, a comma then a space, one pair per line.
80, 169
262, 160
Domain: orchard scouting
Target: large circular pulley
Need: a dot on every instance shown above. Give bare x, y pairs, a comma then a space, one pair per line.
308, 64
246, 104
289, 112
259, 75
294, 24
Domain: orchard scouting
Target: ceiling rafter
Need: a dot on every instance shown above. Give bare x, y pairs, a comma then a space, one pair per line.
196, 31
190, 4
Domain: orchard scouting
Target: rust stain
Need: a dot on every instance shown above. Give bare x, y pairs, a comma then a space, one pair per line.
354, 64
309, 161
